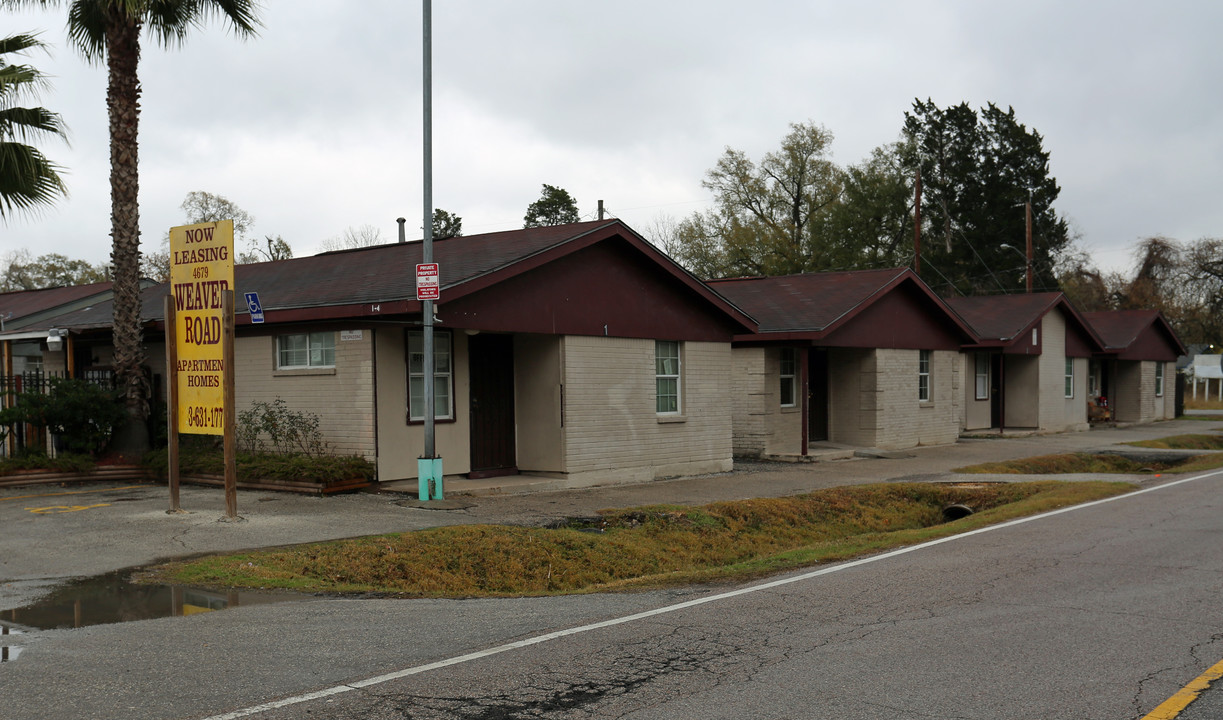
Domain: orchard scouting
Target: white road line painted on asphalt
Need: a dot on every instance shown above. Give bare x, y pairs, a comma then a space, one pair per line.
460, 659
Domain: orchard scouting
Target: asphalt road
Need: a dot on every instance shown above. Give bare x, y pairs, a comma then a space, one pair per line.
1099, 612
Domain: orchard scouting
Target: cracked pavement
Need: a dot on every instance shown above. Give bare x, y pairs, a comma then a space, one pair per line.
1100, 613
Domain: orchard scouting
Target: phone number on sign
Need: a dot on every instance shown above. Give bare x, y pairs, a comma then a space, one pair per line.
205, 417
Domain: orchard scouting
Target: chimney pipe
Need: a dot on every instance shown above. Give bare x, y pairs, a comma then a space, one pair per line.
403, 237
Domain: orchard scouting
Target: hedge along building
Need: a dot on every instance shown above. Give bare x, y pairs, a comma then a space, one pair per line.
866, 358
576, 351
1137, 369
1029, 369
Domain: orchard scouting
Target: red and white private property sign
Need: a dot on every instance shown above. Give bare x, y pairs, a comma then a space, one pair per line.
428, 282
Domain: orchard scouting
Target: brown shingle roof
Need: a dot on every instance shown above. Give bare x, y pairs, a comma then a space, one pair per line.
388, 272
348, 279
1004, 317
810, 302
16, 305
1119, 329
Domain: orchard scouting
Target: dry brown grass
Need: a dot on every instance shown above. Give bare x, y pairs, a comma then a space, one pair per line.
1196, 441
634, 547
1063, 464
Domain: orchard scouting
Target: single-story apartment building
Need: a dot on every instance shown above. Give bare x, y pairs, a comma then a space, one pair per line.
1137, 369
577, 351
1029, 370
866, 358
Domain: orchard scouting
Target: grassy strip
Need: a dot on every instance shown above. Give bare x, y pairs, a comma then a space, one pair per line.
1202, 418
1065, 464
1183, 442
638, 547
1201, 463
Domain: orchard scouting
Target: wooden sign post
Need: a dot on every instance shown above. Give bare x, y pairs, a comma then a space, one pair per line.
200, 345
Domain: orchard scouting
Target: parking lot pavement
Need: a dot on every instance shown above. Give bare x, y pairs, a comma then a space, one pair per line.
51, 533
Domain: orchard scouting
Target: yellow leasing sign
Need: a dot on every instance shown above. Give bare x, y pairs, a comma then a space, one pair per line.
201, 269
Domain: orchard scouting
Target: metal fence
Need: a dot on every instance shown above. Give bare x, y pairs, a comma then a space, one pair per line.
20, 436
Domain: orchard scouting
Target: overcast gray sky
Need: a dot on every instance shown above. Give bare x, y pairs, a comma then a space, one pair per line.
315, 126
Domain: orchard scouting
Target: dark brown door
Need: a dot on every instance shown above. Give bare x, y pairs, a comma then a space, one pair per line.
491, 363
817, 395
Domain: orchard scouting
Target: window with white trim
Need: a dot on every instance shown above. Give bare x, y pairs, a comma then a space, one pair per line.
1069, 377
789, 377
923, 375
981, 375
1159, 379
302, 351
443, 376
667, 376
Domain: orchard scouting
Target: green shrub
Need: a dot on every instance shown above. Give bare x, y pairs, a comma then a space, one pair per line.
286, 431
82, 415
264, 466
34, 460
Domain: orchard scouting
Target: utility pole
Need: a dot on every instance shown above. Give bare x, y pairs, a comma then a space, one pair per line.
917, 223
1028, 221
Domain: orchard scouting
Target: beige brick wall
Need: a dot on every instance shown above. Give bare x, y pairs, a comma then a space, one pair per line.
1021, 376
904, 420
977, 414
783, 425
343, 397
612, 429
750, 403
855, 396
1136, 400
1127, 405
1165, 407
400, 444
1052, 373
537, 403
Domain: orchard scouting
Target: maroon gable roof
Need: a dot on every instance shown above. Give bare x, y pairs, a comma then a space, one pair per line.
1136, 334
1005, 320
860, 308
380, 282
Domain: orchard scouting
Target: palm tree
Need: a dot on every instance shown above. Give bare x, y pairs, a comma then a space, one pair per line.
27, 178
111, 29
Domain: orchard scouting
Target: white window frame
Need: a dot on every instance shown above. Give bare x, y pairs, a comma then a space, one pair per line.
1093, 379
1069, 386
443, 375
1159, 379
924, 358
668, 376
788, 377
319, 351
981, 375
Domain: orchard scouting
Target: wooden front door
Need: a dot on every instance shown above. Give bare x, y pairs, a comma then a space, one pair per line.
817, 395
491, 364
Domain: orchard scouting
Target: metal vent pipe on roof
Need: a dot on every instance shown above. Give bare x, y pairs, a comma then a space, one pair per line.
403, 235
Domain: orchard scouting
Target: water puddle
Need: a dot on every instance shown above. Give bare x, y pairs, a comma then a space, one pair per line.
8, 652
114, 598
